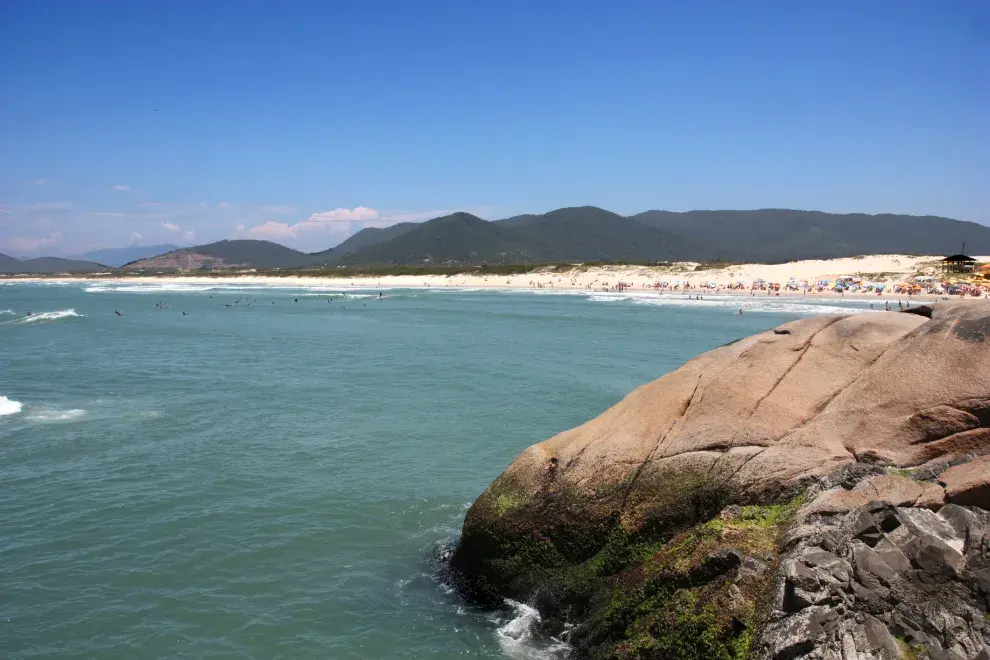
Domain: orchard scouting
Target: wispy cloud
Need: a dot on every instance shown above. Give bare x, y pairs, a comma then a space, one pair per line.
150, 204
5, 210
270, 231
189, 236
224, 205
342, 221
39, 182
360, 213
169, 226
18, 244
329, 222
122, 188
136, 238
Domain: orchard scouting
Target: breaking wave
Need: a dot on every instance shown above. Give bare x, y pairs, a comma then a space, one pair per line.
44, 317
520, 638
764, 304
9, 406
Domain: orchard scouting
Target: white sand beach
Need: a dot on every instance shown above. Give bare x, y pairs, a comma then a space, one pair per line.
885, 269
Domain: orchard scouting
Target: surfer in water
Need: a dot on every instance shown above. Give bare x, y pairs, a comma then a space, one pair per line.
116, 311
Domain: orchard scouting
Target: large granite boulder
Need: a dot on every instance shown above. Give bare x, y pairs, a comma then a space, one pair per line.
862, 408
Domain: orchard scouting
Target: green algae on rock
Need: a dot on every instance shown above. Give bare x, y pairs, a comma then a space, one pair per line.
657, 529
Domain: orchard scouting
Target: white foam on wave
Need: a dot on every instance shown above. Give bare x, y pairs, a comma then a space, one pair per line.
51, 415
341, 294
9, 406
44, 317
4, 312
519, 637
147, 288
765, 304
49, 316
222, 287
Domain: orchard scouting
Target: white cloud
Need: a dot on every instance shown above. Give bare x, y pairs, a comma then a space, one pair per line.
359, 213
277, 209
149, 203
189, 236
224, 205
107, 214
32, 244
331, 222
39, 182
270, 230
136, 238
341, 222
122, 188
169, 226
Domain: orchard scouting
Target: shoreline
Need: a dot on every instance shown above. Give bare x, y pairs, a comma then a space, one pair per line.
886, 270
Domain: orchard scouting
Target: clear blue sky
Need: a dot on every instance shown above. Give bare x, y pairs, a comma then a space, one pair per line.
278, 119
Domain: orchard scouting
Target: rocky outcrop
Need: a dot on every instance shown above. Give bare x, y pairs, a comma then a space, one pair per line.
882, 582
832, 413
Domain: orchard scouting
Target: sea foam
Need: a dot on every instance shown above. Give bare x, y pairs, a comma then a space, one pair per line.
46, 416
45, 317
519, 637
9, 406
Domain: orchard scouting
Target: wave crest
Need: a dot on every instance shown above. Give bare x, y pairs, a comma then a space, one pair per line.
520, 638
45, 317
9, 406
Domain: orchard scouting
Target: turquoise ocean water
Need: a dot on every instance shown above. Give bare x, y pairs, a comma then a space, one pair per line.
275, 475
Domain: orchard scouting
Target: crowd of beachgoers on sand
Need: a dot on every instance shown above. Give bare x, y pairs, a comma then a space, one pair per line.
869, 276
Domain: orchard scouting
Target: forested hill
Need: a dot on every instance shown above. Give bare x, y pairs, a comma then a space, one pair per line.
587, 233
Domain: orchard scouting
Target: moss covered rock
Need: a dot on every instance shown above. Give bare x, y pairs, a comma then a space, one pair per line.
635, 525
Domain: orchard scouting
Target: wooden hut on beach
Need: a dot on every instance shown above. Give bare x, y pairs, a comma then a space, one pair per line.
958, 263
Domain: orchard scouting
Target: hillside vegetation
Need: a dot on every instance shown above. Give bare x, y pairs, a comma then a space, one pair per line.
587, 233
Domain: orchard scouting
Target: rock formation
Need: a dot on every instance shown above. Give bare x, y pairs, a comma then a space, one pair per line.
692, 519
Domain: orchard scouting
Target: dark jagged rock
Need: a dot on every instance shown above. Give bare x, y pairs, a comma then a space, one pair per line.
916, 593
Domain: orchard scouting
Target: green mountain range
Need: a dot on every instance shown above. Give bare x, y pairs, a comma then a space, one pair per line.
582, 234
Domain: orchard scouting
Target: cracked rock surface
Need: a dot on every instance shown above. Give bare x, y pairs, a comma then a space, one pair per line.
846, 410
883, 582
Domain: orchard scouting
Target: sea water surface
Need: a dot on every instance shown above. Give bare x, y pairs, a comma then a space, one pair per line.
257, 472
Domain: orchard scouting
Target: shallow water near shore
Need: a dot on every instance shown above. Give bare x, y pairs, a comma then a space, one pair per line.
276, 473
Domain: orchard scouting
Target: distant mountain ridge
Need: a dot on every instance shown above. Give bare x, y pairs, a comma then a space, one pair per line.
242, 253
588, 233
784, 234
117, 257
47, 266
